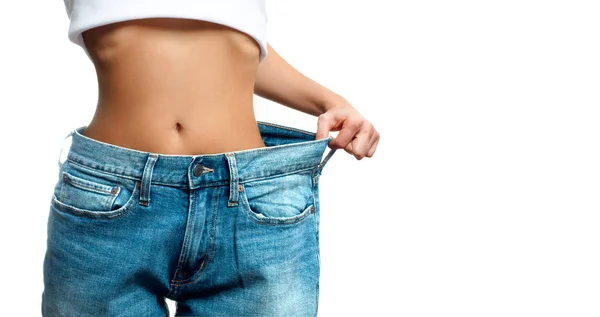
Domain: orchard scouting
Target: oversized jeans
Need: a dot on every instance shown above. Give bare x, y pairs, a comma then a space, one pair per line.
227, 234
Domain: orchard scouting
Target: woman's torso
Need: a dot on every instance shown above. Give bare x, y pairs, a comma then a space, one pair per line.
174, 86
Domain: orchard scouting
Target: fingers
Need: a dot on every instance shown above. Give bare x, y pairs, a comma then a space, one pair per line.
350, 127
357, 136
374, 146
363, 141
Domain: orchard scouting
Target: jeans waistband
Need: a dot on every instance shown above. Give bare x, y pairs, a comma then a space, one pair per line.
287, 150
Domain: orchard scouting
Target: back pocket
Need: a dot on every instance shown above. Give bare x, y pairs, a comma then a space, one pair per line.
86, 192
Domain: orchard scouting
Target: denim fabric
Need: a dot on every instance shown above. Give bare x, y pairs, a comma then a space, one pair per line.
227, 234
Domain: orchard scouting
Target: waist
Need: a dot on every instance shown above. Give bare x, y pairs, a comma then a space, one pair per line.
287, 150
161, 128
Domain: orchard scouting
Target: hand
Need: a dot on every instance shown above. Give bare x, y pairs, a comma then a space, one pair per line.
357, 136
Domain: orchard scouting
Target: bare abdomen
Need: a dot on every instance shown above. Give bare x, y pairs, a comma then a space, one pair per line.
174, 86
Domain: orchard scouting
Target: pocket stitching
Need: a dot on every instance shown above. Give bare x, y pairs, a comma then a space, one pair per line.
121, 211
88, 185
270, 220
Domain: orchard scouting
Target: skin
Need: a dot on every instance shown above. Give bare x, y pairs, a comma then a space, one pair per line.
185, 87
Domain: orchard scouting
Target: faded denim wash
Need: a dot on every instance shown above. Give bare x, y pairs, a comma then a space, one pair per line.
228, 234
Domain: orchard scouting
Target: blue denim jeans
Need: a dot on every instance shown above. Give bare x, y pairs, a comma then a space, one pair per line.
227, 234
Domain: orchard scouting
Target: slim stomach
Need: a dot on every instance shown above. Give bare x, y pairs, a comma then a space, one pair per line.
174, 86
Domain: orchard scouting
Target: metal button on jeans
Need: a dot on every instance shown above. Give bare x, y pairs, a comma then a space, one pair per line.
198, 169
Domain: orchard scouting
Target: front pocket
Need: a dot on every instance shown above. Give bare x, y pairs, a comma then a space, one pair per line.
281, 200
85, 192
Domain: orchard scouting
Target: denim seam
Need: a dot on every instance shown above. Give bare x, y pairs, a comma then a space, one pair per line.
62, 190
290, 221
183, 257
80, 184
294, 169
198, 274
102, 171
134, 178
86, 185
126, 208
280, 222
274, 147
286, 127
260, 149
270, 176
316, 251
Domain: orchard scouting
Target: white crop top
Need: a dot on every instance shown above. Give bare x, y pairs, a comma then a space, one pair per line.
248, 16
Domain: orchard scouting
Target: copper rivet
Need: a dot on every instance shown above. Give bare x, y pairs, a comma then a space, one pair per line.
114, 190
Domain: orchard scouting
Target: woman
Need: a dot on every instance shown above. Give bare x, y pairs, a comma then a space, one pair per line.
174, 190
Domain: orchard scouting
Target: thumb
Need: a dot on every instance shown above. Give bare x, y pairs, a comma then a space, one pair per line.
324, 124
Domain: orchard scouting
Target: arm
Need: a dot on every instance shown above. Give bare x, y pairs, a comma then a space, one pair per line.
278, 81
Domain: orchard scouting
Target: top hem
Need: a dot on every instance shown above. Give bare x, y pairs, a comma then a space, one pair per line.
245, 16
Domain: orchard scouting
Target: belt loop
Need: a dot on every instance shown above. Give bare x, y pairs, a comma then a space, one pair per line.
147, 179
63, 147
319, 169
233, 180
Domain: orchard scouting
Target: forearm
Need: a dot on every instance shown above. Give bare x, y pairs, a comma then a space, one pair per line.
278, 81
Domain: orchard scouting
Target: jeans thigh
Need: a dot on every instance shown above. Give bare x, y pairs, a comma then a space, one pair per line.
99, 259
266, 261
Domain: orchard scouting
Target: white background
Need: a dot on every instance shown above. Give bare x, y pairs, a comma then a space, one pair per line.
483, 198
